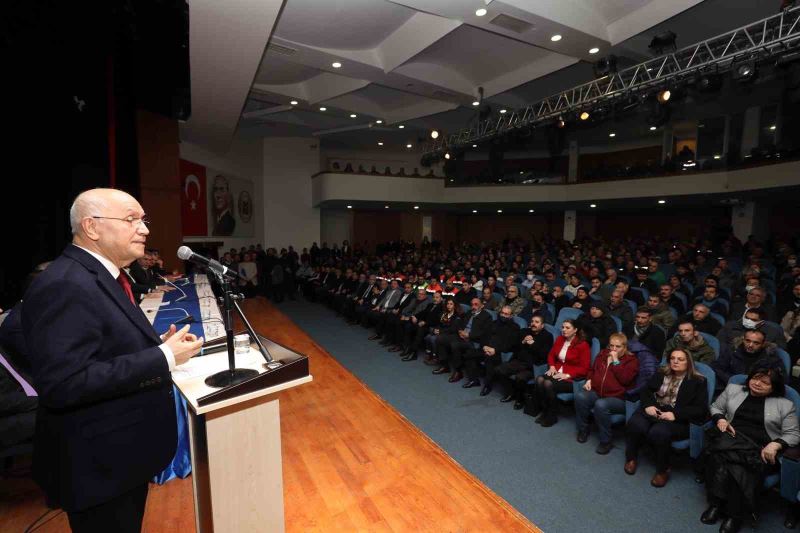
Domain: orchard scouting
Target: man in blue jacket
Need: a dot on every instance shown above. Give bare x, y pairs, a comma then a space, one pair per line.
106, 419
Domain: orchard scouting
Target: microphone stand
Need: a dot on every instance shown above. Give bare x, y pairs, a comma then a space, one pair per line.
232, 375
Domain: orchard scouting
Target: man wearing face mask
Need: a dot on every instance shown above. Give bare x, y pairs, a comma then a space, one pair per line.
504, 337
731, 335
756, 297
529, 279
741, 360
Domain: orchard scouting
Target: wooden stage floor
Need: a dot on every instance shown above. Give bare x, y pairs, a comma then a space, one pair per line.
350, 463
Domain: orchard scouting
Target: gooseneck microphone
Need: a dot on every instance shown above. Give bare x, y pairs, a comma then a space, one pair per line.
186, 253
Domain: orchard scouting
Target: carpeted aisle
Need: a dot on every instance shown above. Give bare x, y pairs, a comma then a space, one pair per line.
557, 483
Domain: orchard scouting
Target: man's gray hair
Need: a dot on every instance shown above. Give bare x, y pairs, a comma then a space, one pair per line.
87, 204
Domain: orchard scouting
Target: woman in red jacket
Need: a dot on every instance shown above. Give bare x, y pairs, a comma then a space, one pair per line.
569, 359
614, 371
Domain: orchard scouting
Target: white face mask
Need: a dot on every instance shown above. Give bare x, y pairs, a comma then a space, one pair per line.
749, 324
530, 277
749, 288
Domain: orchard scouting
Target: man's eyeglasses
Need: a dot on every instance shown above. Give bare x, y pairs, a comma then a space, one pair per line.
132, 220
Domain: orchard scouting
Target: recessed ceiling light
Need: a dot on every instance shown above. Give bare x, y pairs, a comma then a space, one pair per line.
584, 115
379, 121
652, 128
401, 126
447, 155
480, 12
521, 172
555, 38
476, 103
349, 207
530, 210
380, 143
717, 156
434, 134
293, 102
386, 207
323, 108
408, 146
612, 134
353, 115
336, 64
593, 205
474, 210
474, 145
662, 201
503, 111
594, 50
772, 128
499, 210
416, 207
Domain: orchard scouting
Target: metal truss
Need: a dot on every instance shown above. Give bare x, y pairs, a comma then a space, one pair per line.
771, 36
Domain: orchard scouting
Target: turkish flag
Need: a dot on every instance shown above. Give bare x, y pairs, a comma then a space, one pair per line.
194, 212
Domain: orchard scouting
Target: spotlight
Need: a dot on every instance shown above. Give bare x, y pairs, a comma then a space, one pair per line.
663, 41
560, 123
584, 115
744, 71
605, 66
434, 134
480, 12
336, 64
447, 155
664, 96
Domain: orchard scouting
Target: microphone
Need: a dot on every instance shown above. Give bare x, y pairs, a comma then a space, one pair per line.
188, 319
186, 253
168, 282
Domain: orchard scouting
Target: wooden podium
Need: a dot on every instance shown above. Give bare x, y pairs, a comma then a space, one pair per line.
235, 436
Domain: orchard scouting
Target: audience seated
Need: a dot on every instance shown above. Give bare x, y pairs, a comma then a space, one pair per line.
700, 316
753, 348
503, 337
619, 308
450, 323
689, 340
614, 371
754, 424
420, 324
568, 360
673, 398
513, 300
661, 315
732, 333
597, 324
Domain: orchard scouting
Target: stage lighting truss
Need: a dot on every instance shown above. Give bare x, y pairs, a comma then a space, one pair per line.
773, 36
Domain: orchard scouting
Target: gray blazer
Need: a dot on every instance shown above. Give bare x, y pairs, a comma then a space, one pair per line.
780, 418
415, 307
391, 299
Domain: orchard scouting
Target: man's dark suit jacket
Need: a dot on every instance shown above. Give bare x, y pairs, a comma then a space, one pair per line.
143, 279
106, 420
482, 327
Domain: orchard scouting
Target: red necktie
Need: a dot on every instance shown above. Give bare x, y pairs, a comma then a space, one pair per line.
122, 279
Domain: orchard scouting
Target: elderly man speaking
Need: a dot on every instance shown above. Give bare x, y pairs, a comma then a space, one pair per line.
106, 420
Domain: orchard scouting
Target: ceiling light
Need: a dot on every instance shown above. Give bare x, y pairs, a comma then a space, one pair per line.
401, 126
474, 210
434, 134
293, 102
530, 210
584, 115
717, 156
593, 205
474, 145
336, 64
386, 207
379, 121
521, 172
560, 122
594, 50
476, 103
349, 207
612, 134
323, 108
480, 12
772, 128
408, 146
555, 38
447, 155
416, 207
652, 128
503, 111
664, 96
353, 115
662, 201
499, 210
380, 143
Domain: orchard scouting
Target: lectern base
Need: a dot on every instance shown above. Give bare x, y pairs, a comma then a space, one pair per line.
227, 378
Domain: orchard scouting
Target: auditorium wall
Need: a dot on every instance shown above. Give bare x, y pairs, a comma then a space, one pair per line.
244, 159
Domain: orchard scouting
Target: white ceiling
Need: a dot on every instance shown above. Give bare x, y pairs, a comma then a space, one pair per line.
416, 63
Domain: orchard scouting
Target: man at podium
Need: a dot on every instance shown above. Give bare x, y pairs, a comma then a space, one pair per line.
106, 419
